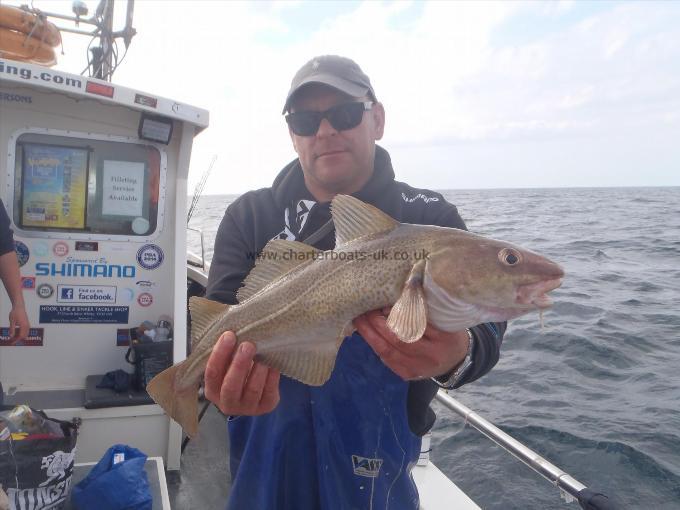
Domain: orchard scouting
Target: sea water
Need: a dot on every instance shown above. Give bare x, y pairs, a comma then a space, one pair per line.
597, 390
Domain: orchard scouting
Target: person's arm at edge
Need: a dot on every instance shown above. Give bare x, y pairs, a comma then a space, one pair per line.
11, 279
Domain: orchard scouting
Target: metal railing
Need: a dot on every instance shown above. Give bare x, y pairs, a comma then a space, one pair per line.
570, 488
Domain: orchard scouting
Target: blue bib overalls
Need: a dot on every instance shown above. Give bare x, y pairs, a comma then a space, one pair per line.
343, 445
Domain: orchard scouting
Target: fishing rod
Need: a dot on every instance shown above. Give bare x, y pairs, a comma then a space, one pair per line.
570, 488
198, 190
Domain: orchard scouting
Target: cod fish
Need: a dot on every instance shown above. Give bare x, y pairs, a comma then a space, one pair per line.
298, 303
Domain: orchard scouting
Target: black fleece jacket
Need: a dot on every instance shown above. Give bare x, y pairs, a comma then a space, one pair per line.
287, 210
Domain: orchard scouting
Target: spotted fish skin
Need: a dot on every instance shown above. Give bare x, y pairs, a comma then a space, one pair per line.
298, 303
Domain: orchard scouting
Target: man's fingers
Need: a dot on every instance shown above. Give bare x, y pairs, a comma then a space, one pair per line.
235, 378
24, 326
270, 394
13, 328
217, 365
384, 349
252, 392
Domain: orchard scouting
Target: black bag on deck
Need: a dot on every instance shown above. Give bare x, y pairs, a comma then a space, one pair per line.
149, 359
37, 454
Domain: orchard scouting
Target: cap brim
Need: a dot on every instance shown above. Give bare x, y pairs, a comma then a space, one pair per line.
348, 87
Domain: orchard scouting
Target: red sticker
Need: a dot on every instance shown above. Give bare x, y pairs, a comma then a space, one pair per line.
35, 338
28, 282
145, 299
60, 249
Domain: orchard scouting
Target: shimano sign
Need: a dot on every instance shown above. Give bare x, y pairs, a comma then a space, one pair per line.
86, 270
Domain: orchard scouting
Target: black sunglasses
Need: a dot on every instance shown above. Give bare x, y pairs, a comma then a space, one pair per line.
341, 117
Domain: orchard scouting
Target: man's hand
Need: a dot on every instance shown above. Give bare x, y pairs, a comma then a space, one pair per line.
235, 383
436, 353
18, 320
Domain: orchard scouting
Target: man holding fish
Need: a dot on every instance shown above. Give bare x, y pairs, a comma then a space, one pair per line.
335, 360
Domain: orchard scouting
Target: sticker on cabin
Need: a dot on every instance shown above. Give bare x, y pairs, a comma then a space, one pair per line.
149, 101
87, 246
73, 268
60, 249
123, 188
41, 249
45, 290
145, 284
86, 294
150, 256
127, 294
28, 282
23, 254
145, 299
123, 337
15, 98
34, 339
64, 314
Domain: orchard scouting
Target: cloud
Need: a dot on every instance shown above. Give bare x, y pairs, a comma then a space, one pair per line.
545, 76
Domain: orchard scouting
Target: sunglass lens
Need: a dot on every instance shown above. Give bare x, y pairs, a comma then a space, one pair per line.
346, 116
304, 123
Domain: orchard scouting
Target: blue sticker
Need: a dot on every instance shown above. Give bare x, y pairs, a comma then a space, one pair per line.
127, 294
40, 248
123, 337
150, 256
59, 314
22, 252
28, 282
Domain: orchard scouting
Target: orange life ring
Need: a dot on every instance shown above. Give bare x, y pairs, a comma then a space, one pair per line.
29, 23
18, 46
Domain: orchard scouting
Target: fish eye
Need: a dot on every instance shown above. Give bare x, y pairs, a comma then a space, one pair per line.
509, 256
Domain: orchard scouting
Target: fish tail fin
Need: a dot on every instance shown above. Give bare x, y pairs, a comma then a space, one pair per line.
180, 404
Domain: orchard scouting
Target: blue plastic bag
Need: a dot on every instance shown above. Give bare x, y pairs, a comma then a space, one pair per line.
117, 482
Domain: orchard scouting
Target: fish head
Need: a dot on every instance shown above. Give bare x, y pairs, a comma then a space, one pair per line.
492, 280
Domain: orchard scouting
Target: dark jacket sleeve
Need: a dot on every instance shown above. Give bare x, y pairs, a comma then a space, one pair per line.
6, 238
232, 261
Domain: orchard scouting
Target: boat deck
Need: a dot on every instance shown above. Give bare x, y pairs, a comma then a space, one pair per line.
203, 481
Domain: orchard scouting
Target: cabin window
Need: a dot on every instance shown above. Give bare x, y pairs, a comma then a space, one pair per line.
96, 187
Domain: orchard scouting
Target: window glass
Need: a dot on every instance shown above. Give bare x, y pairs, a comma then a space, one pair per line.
87, 186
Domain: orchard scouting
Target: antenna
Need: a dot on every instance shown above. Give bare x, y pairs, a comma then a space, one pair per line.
104, 58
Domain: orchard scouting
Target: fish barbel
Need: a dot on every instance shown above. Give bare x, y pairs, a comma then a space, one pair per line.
298, 302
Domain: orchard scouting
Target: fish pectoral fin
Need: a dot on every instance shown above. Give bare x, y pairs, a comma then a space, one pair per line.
353, 219
408, 318
277, 258
203, 313
310, 360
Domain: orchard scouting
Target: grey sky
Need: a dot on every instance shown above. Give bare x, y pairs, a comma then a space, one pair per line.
477, 95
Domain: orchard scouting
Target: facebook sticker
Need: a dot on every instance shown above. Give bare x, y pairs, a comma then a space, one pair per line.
66, 294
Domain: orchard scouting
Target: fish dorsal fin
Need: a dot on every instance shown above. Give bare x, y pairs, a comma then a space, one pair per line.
354, 218
203, 313
277, 258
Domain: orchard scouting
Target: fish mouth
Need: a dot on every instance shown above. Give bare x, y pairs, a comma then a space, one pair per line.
536, 293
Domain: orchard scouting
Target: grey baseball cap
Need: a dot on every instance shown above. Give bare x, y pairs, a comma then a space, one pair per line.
341, 73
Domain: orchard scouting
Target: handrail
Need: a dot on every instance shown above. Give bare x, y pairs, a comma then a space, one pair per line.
202, 244
570, 488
